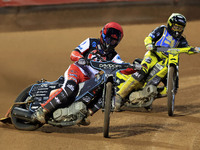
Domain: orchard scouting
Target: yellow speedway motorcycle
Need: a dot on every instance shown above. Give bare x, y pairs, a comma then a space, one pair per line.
162, 81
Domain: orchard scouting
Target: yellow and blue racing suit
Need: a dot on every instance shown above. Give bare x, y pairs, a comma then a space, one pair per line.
158, 37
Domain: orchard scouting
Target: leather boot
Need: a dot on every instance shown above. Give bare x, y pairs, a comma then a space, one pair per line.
39, 115
126, 88
118, 103
49, 106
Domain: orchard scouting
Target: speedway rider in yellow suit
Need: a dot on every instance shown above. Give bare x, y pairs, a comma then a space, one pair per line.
165, 36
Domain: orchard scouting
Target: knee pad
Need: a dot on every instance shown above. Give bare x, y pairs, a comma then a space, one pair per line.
139, 75
70, 87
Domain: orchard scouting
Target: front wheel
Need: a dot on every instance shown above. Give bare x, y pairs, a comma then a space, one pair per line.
171, 91
107, 109
19, 123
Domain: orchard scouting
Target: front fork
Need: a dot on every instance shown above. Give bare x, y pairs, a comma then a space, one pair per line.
174, 61
112, 100
176, 79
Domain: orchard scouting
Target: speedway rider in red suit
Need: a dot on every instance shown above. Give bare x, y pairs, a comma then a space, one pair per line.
78, 72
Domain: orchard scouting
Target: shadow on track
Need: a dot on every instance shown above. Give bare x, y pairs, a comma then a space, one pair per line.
115, 131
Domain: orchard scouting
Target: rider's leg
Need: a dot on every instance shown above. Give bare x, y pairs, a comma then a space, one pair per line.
73, 76
135, 81
55, 101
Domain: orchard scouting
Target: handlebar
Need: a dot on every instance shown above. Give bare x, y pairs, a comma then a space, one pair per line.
109, 65
178, 50
102, 64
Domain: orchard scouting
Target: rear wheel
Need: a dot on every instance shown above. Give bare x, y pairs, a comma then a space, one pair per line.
171, 90
19, 123
107, 109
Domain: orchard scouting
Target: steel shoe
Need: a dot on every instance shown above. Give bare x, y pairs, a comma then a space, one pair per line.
39, 115
118, 103
84, 122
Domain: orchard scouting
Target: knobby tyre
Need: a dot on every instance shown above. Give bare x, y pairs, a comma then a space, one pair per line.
21, 124
107, 109
171, 82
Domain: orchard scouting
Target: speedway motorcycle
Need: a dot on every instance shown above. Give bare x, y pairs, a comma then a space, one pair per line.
162, 81
98, 90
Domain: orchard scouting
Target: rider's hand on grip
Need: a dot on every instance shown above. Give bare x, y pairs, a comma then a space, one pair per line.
194, 50
149, 47
197, 49
82, 61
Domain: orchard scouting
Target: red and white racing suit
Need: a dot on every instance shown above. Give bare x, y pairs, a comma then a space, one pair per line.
76, 73
79, 73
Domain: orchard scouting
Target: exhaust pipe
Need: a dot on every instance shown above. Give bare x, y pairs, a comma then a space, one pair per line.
23, 114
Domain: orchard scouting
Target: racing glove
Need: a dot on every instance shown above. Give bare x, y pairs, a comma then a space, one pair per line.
149, 47
193, 50
148, 43
82, 61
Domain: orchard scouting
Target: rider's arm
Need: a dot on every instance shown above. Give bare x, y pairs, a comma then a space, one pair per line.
150, 40
75, 55
148, 43
78, 52
185, 46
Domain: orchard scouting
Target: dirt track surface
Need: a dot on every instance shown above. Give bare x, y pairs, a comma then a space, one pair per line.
26, 57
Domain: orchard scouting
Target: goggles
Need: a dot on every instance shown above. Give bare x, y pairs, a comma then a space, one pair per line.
111, 41
178, 28
112, 37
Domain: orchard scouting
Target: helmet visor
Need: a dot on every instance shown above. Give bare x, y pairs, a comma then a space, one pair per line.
177, 28
112, 37
111, 41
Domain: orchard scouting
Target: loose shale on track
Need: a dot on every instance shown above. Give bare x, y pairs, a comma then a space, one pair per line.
28, 56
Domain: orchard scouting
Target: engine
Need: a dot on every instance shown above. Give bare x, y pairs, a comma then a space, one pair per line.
70, 113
